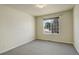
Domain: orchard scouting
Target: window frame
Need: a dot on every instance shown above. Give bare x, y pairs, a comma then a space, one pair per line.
56, 25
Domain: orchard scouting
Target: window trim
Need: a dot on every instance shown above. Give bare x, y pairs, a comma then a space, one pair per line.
58, 29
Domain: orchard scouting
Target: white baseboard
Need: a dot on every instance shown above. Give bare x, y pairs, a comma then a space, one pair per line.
57, 41
22, 43
76, 48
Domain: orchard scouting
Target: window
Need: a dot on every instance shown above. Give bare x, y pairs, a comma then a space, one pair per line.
51, 25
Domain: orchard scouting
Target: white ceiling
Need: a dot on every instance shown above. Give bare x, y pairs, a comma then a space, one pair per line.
50, 8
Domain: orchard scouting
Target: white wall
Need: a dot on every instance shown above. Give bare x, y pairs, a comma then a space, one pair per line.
65, 24
16, 28
76, 27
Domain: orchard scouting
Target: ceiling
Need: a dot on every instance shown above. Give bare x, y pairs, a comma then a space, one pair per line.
50, 8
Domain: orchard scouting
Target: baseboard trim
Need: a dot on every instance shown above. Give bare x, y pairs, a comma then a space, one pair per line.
57, 41
76, 49
6, 50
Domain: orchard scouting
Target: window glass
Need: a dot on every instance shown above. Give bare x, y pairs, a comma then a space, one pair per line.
51, 25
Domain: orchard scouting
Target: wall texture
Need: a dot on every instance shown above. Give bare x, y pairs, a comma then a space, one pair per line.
76, 27
66, 27
16, 28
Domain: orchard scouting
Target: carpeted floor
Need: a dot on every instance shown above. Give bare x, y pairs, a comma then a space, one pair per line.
39, 47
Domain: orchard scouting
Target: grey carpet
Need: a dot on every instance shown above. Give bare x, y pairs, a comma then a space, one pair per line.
39, 47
